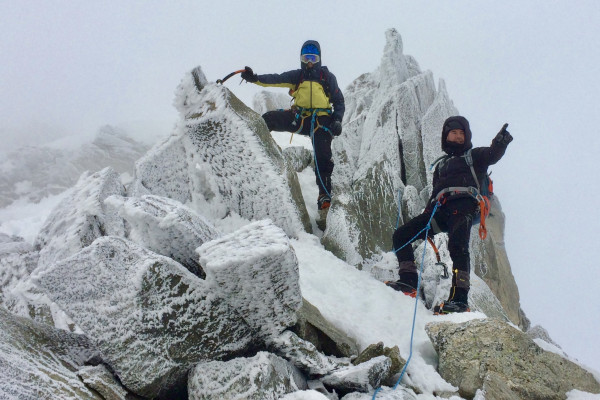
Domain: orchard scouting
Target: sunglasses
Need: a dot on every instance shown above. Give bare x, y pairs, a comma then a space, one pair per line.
309, 58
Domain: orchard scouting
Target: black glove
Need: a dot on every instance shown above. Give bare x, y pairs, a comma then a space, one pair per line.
249, 75
503, 137
336, 128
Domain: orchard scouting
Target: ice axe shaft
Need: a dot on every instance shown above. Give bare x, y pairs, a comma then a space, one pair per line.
439, 259
230, 75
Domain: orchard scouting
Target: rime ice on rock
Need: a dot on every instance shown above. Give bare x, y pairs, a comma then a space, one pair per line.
362, 377
151, 318
166, 227
256, 270
40, 362
222, 159
80, 218
262, 377
379, 154
268, 101
17, 260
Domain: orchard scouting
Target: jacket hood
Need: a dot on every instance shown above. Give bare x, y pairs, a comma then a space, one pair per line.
315, 43
453, 123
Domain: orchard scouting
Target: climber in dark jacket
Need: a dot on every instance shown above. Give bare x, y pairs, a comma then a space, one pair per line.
456, 211
314, 90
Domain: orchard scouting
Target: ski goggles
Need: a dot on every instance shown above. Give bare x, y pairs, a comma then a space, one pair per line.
310, 58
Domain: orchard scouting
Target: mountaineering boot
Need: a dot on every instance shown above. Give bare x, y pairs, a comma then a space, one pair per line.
407, 283
458, 302
324, 201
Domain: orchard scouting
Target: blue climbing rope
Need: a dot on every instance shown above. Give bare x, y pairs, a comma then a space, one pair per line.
412, 333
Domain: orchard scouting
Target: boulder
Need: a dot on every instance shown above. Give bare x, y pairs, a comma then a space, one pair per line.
492, 355
151, 318
262, 377
326, 338
41, 362
100, 379
255, 270
299, 157
378, 349
304, 355
359, 378
166, 227
17, 260
222, 160
80, 218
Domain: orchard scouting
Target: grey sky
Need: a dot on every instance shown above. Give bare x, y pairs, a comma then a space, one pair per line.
71, 66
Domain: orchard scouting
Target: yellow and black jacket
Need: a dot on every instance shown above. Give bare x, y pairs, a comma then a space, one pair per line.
311, 88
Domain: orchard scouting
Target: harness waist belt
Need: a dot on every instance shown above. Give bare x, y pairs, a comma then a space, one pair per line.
454, 190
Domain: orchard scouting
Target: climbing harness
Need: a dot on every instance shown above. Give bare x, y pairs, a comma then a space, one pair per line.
481, 197
426, 229
221, 81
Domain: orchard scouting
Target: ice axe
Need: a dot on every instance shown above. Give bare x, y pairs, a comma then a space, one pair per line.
221, 81
439, 259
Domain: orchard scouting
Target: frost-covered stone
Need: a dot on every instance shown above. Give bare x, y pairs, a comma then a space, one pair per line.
40, 362
539, 332
388, 393
262, 377
378, 349
491, 352
326, 337
151, 318
221, 160
166, 227
380, 154
304, 355
35, 172
362, 378
300, 157
80, 218
17, 260
490, 262
100, 379
256, 270
264, 101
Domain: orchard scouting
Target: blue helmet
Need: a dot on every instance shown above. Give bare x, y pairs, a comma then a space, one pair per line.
310, 52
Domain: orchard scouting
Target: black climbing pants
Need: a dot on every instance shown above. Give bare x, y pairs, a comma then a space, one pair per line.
454, 217
286, 121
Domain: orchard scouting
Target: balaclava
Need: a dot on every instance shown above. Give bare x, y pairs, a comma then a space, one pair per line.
456, 122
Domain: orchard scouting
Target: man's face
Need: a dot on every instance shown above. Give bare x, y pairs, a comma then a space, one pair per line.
456, 136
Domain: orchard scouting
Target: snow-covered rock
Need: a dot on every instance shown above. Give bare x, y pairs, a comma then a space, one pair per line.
221, 160
300, 157
490, 354
256, 270
17, 260
166, 227
80, 218
151, 318
304, 355
262, 377
268, 101
40, 362
100, 379
35, 172
325, 336
359, 378
379, 154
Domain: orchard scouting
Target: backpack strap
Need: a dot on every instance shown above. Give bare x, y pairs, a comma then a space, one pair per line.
469, 160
